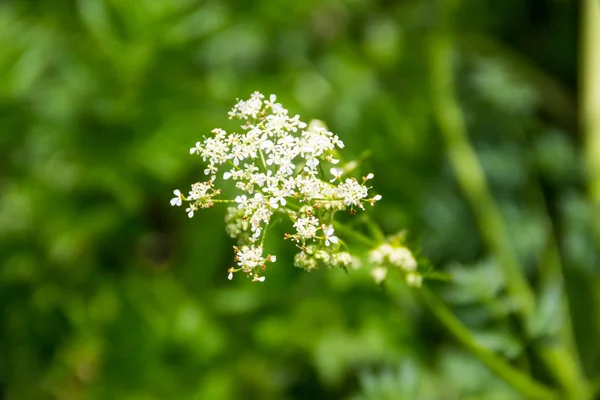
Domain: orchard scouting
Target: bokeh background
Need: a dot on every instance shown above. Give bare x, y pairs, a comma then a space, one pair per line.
108, 292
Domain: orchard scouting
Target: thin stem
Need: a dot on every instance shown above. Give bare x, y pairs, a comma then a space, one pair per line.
589, 118
264, 235
472, 180
501, 368
354, 235
262, 160
523, 383
595, 385
470, 173
374, 229
561, 355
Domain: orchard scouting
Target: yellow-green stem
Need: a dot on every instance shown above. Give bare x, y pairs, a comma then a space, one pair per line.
518, 380
500, 367
472, 181
589, 117
470, 173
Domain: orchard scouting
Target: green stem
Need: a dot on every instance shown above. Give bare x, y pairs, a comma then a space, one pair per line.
355, 235
374, 229
470, 173
501, 368
263, 162
589, 118
471, 179
595, 385
521, 382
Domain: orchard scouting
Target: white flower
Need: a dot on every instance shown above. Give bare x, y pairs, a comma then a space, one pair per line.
276, 107
352, 192
275, 163
277, 198
403, 258
249, 257
342, 259
311, 164
176, 201
380, 254
267, 146
210, 170
199, 190
191, 209
246, 109
398, 256
307, 227
329, 235
379, 274
196, 149
337, 174
376, 257
241, 200
414, 279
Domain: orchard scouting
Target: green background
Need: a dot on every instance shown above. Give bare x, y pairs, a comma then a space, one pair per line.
108, 292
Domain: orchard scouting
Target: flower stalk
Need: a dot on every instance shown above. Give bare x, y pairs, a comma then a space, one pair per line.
560, 359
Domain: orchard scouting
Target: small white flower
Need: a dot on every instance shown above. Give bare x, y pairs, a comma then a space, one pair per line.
337, 174
381, 254
312, 163
276, 200
273, 202
230, 276
376, 257
191, 209
413, 279
176, 201
267, 146
196, 149
241, 200
403, 258
329, 235
331, 159
276, 107
343, 259
210, 170
306, 227
249, 257
352, 192
379, 274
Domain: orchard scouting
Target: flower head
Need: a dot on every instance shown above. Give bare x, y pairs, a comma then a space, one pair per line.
276, 163
395, 255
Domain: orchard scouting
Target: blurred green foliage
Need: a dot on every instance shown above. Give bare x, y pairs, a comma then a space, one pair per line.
108, 292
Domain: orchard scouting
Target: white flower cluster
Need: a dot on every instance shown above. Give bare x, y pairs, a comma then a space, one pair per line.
397, 256
278, 164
